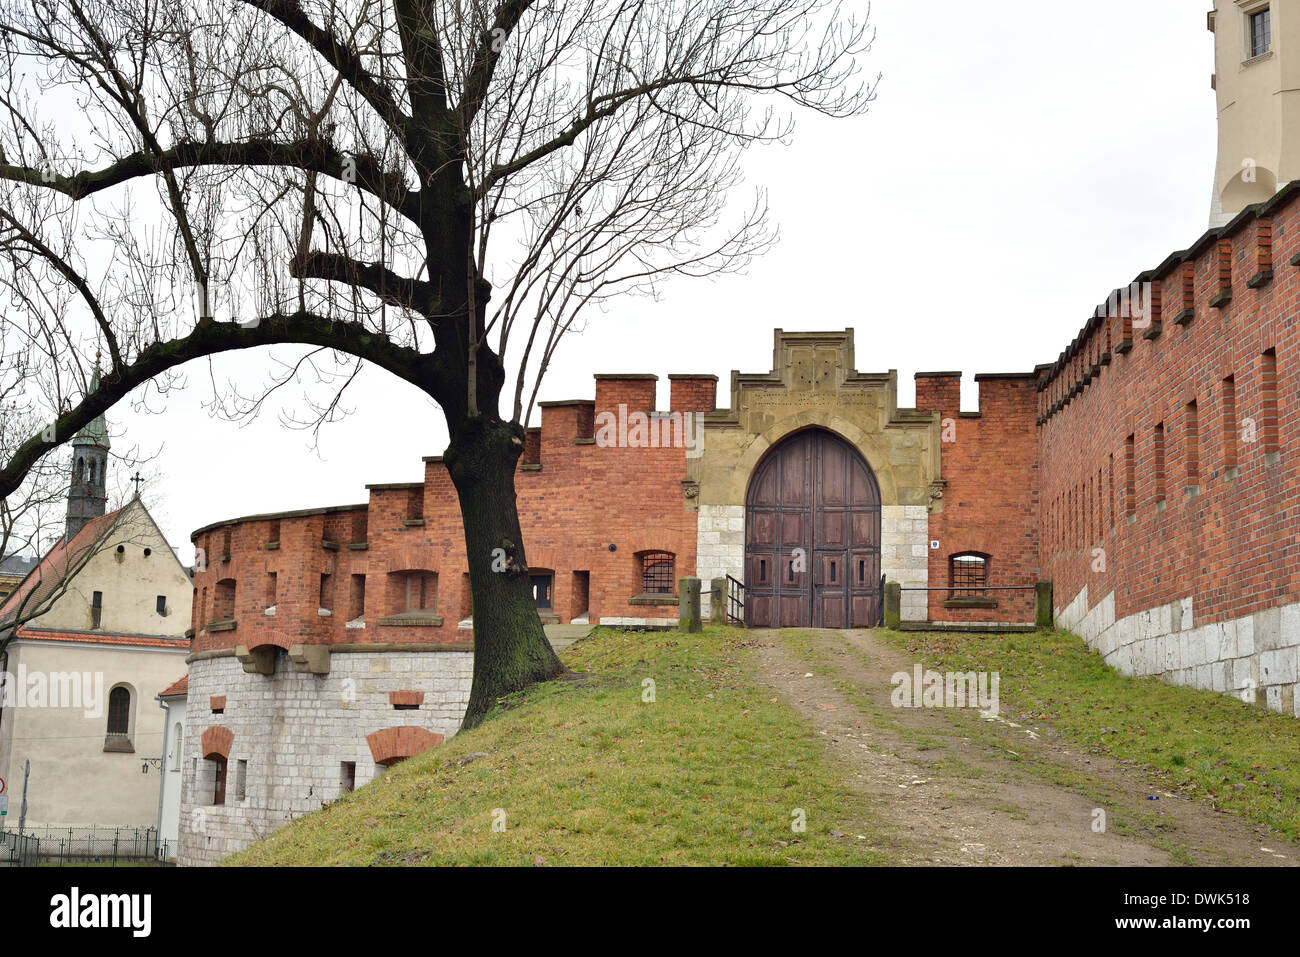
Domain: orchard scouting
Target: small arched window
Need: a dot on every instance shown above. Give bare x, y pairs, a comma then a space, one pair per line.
969, 574
81, 468
92, 471
119, 711
657, 573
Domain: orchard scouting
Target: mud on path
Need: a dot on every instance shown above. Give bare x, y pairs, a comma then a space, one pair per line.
957, 788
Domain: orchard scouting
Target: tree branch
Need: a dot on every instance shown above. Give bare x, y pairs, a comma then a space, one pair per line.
308, 155
342, 58
398, 290
209, 339
75, 278
487, 56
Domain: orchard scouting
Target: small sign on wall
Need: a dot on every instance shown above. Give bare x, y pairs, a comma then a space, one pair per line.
934, 544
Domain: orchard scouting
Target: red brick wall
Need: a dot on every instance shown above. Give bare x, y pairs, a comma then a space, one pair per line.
576, 498
1233, 545
693, 393
1052, 503
990, 502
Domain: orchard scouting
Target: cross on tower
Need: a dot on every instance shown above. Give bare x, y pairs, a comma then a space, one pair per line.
137, 478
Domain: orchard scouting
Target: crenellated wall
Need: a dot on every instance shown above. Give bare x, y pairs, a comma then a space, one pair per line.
1169, 464
987, 502
600, 483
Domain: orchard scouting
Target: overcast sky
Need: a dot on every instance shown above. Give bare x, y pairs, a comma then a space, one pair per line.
1019, 163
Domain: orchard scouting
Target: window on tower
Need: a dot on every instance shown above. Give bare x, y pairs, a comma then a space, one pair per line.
1261, 32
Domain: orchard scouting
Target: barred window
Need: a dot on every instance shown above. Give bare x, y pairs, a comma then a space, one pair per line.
657, 573
969, 574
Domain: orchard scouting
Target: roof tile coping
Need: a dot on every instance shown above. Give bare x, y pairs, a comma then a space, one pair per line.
271, 516
180, 686
100, 637
1284, 196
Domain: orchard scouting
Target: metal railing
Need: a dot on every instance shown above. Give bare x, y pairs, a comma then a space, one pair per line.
72, 846
966, 588
960, 592
735, 602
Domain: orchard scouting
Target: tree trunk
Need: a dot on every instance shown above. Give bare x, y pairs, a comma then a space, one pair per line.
510, 648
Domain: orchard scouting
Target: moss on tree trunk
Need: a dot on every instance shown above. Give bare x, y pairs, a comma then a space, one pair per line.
511, 650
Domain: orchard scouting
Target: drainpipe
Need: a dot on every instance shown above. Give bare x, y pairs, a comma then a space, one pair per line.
162, 774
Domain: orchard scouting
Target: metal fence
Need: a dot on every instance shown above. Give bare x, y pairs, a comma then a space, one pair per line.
93, 845
18, 850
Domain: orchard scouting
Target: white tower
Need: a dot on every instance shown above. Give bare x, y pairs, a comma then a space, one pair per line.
1257, 85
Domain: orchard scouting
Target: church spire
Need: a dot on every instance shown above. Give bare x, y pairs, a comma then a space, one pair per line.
88, 492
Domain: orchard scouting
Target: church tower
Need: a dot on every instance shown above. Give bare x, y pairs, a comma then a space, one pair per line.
88, 492
1257, 87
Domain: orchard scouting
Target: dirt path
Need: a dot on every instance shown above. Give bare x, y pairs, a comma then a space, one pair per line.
962, 789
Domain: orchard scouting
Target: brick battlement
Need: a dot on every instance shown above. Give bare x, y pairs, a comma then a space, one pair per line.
1190, 286
1167, 438
987, 501
354, 575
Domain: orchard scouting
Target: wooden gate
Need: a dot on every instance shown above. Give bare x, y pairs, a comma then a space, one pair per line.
812, 537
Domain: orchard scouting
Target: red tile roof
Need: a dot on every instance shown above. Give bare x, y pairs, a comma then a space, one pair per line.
178, 687
66, 557
102, 638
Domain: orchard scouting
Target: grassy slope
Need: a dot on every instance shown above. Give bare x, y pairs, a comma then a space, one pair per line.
588, 773
1213, 747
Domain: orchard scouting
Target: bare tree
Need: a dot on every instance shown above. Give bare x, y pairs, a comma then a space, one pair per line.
33, 518
435, 187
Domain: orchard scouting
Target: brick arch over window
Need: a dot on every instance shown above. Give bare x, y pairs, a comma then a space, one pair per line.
974, 542
414, 557
392, 745
545, 559
216, 742
652, 542
272, 639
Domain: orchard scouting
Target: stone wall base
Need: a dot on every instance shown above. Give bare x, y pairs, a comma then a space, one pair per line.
1255, 657
293, 734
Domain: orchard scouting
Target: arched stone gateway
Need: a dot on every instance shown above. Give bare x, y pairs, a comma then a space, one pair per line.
812, 536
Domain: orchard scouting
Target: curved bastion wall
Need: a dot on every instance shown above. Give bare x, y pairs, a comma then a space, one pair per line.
293, 741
